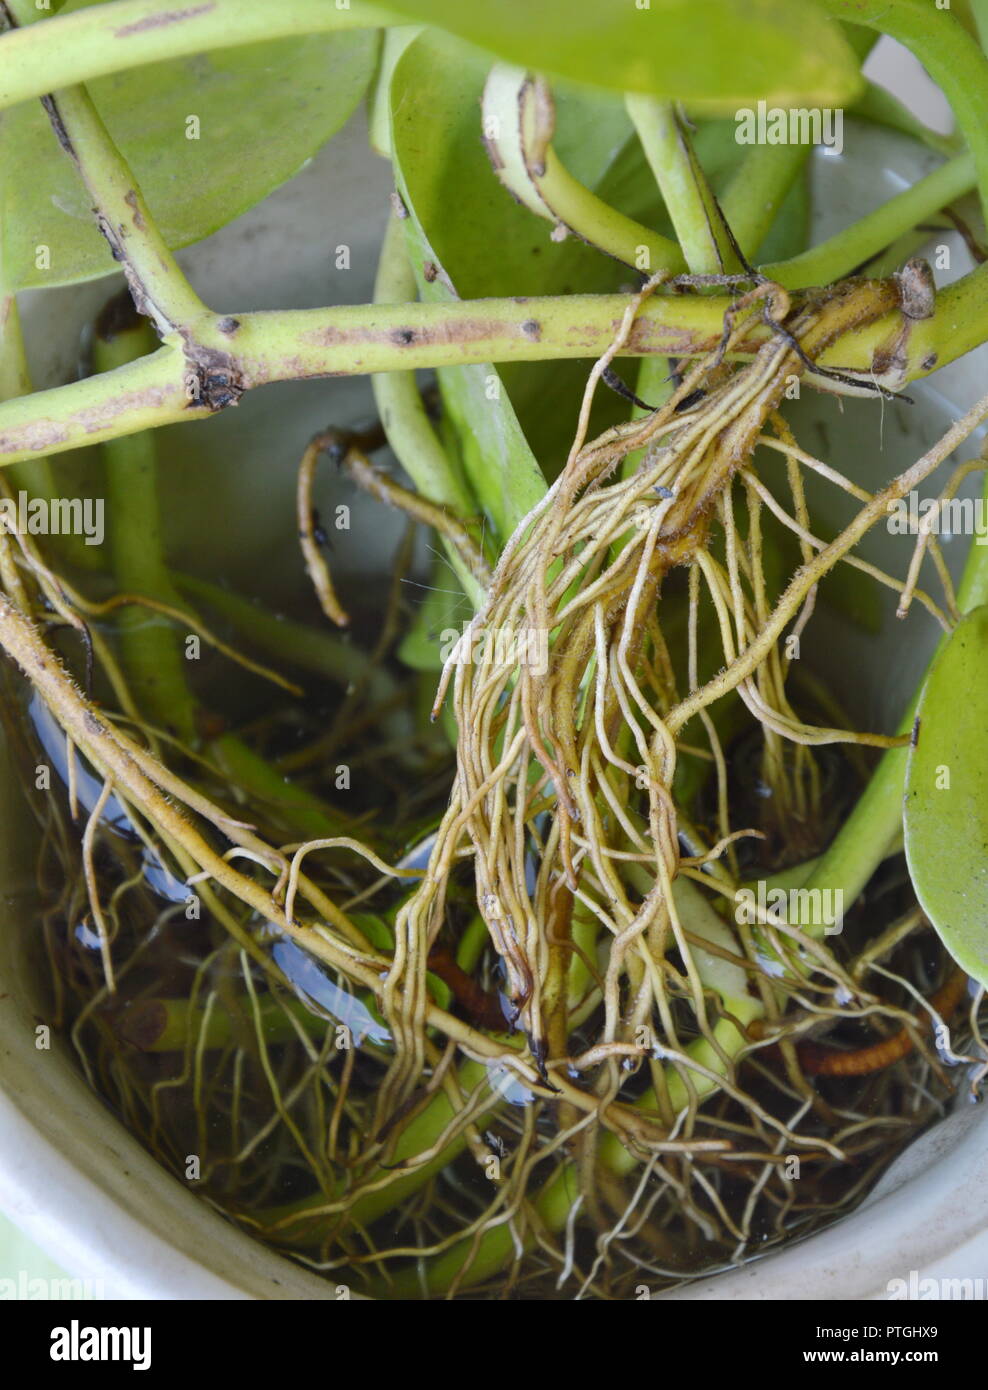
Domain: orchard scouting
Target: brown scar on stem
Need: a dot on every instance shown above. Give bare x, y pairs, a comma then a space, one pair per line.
57, 125
916, 293
96, 416
162, 21
917, 290
646, 338
218, 380
115, 238
654, 339
432, 271
37, 438
130, 198
884, 359
471, 330
112, 237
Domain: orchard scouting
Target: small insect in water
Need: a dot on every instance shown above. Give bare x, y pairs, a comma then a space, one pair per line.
495, 1143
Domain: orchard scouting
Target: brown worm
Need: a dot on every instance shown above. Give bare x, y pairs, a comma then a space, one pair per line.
819, 1060
481, 1007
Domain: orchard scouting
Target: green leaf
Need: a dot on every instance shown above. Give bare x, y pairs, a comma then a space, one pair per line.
393, 44
717, 54
946, 805
263, 110
456, 225
486, 242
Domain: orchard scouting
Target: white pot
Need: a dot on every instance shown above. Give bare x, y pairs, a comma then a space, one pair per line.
70, 1175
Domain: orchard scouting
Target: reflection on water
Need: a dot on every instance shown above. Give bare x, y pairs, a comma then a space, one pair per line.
318, 992
87, 785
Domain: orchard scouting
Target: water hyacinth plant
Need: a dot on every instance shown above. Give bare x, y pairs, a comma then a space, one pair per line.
542, 922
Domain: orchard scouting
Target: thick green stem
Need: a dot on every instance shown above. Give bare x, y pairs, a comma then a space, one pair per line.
407, 426
151, 646
130, 33
519, 108
468, 1263
160, 289
153, 662
946, 50
420, 1135
399, 400
297, 344
305, 814
842, 253
14, 378
33, 475
308, 648
170, 1025
697, 221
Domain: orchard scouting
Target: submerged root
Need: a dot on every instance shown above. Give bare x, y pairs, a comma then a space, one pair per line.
660, 1043
567, 750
